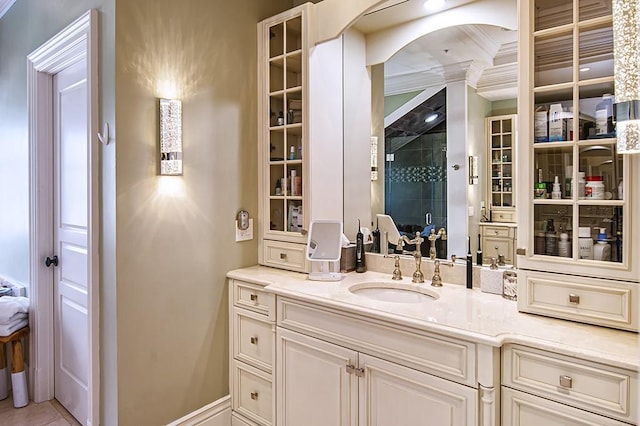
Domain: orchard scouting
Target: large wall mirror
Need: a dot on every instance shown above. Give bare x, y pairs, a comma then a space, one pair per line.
435, 75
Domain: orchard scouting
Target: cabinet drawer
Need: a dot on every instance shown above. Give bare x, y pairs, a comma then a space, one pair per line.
590, 300
522, 409
253, 339
252, 394
497, 231
237, 420
495, 246
254, 298
447, 358
503, 216
595, 387
285, 255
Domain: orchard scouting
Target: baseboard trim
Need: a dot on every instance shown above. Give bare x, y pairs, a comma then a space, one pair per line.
217, 413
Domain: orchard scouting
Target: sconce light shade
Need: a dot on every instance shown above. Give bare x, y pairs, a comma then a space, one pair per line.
374, 158
170, 137
626, 45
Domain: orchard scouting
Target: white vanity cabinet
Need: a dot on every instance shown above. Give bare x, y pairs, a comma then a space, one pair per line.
335, 368
543, 388
252, 353
565, 131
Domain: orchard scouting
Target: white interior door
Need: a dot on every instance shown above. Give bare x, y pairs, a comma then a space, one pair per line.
71, 319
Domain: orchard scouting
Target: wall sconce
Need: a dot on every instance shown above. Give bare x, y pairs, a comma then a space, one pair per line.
473, 170
626, 45
170, 137
374, 158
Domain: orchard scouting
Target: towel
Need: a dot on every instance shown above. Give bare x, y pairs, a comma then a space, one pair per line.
11, 306
7, 329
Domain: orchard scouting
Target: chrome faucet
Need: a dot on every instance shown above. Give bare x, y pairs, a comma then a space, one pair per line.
418, 276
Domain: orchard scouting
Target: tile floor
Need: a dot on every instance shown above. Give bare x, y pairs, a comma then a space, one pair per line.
48, 413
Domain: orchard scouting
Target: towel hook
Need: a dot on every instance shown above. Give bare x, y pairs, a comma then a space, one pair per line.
104, 137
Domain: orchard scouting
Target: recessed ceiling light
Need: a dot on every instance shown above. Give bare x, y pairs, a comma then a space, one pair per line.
585, 69
434, 4
431, 117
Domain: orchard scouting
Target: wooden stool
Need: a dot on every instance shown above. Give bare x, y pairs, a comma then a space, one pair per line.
18, 375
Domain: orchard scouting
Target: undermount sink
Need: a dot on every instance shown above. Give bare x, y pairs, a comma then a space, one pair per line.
386, 291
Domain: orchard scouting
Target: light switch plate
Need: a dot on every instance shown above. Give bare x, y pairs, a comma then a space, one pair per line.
471, 211
244, 235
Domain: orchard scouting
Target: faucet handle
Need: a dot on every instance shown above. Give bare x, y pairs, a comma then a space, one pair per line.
397, 274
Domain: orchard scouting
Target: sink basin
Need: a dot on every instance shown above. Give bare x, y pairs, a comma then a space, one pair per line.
399, 292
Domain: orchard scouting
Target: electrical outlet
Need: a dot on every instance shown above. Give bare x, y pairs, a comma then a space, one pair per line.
244, 235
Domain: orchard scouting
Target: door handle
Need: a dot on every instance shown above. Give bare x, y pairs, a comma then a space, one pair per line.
51, 261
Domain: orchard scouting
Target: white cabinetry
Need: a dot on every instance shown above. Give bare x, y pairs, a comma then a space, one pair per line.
498, 239
501, 140
565, 131
364, 372
300, 115
252, 335
583, 392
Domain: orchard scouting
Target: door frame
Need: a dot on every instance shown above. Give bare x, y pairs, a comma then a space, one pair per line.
78, 41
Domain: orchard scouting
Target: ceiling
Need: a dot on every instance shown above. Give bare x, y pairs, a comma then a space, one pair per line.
5, 5
485, 55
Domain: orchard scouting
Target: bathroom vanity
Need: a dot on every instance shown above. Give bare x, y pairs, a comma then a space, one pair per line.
320, 353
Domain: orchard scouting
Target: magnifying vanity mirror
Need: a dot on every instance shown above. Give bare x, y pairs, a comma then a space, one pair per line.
324, 247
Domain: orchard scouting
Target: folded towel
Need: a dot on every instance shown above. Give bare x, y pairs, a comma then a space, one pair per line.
10, 306
7, 329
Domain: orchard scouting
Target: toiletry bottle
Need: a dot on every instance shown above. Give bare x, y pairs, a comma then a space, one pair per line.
280, 119
555, 123
376, 238
602, 250
551, 240
556, 194
360, 258
604, 116
278, 187
292, 153
568, 177
469, 265
479, 253
541, 129
564, 245
585, 243
581, 185
292, 183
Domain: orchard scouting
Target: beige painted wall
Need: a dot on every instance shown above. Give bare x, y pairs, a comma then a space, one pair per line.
175, 235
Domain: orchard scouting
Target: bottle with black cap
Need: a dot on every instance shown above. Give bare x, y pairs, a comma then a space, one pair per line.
469, 265
360, 259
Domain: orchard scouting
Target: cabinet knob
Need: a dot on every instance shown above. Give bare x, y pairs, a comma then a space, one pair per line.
283, 256
254, 395
566, 381
254, 340
574, 298
254, 297
495, 231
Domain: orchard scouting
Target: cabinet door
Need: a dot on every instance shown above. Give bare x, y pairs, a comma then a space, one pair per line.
523, 409
392, 395
314, 386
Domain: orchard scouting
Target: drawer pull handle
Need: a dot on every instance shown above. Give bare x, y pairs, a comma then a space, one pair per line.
283, 256
566, 381
496, 231
254, 395
574, 298
351, 369
254, 340
254, 298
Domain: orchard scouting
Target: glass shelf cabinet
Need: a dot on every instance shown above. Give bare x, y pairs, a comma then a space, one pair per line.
501, 138
575, 191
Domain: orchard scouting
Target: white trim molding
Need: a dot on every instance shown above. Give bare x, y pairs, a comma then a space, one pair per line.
217, 413
78, 41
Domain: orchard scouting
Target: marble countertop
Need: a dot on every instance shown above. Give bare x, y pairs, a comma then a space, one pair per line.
458, 312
